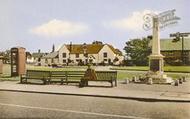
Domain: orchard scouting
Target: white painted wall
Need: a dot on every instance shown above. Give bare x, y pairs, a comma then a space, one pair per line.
62, 50
121, 58
98, 57
48, 61
43, 62
82, 57
30, 60
110, 54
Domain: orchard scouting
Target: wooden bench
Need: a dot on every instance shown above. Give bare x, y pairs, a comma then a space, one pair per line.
74, 76
58, 76
66, 76
102, 76
69, 77
37, 75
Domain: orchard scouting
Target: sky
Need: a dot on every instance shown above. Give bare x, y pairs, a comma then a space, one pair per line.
38, 24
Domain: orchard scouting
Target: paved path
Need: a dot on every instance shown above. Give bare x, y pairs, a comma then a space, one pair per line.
142, 92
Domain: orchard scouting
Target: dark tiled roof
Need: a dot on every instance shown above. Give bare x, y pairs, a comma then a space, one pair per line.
38, 55
118, 52
167, 44
90, 48
51, 55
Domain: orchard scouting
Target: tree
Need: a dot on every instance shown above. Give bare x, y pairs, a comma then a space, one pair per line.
138, 50
7, 56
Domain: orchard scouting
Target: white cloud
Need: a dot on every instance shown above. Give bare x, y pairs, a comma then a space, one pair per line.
59, 28
134, 22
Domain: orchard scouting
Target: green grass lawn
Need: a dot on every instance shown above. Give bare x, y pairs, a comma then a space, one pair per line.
129, 75
185, 69
171, 71
67, 68
123, 72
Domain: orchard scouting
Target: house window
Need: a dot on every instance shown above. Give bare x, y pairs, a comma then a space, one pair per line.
85, 55
78, 60
39, 59
64, 55
90, 60
46, 60
86, 60
105, 60
64, 61
105, 54
77, 55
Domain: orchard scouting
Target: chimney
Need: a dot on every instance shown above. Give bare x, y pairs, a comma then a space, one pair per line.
84, 48
70, 47
97, 42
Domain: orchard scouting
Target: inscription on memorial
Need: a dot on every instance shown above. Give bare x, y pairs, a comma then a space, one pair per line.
154, 65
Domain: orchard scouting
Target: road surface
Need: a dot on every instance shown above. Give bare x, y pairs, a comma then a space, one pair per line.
32, 105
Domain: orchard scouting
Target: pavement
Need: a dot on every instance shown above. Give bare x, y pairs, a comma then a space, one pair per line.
133, 91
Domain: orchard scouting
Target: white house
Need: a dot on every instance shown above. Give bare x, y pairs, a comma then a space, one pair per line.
49, 59
35, 58
76, 54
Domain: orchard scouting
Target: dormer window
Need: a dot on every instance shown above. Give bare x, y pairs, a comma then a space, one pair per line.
77, 55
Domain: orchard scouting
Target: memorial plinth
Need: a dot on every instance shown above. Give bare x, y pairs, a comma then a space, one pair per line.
156, 62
